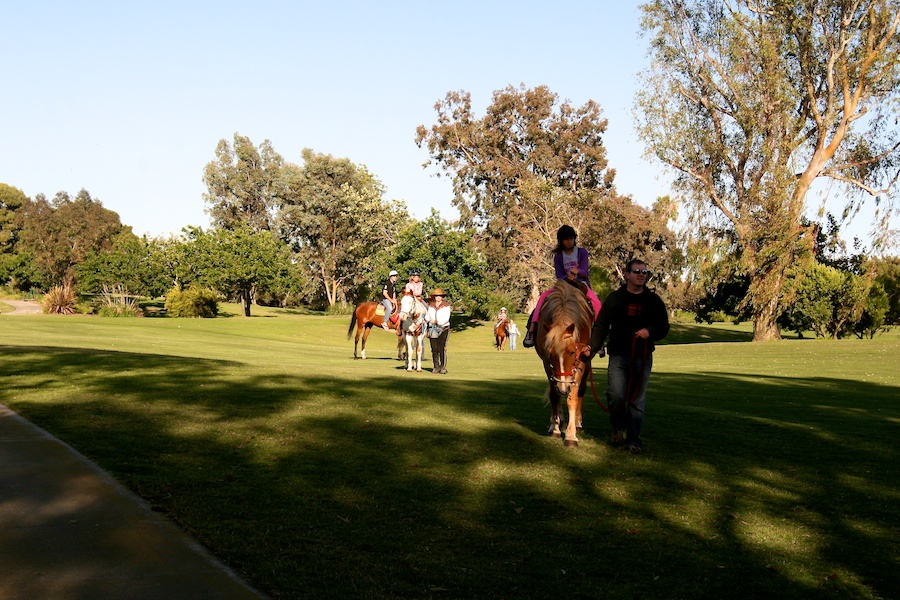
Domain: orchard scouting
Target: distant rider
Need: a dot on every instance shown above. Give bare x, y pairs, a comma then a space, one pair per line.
389, 298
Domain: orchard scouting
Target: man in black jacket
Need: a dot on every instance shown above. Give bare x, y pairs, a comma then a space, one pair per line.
634, 318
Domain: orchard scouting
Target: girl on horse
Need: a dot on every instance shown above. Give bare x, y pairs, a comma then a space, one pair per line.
415, 284
501, 317
570, 263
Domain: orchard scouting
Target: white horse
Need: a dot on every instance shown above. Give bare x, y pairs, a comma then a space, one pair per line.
414, 311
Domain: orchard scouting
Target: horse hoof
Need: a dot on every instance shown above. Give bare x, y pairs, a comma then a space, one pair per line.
554, 435
418, 370
570, 443
579, 428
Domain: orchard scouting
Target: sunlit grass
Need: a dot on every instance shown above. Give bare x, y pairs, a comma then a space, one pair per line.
769, 469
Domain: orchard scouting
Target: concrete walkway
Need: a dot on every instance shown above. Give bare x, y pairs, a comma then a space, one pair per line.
68, 531
22, 307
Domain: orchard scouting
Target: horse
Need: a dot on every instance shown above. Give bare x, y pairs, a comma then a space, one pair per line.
563, 330
366, 316
501, 332
412, 314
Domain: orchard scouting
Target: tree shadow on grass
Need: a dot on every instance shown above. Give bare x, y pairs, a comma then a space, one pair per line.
774, 487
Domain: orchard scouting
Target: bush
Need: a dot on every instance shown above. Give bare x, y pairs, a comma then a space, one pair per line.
339, 309
192, 302
60, 300
116, 302
84, 308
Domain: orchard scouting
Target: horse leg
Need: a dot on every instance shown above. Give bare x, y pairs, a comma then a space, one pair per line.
419, 350
582, 389
356, 341
366, 332
554, 431
574, 406
410, 352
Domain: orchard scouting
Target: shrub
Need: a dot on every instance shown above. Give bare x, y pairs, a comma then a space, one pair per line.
340, 309
85, 308
60, 300
192, 302
116, 302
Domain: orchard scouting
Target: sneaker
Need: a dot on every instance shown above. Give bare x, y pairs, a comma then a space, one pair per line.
385, 327
528, 342
634, 448
617, 438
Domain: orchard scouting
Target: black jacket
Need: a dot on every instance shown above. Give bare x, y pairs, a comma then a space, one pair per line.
623, 314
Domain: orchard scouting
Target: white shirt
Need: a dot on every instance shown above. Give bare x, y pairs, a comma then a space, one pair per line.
441, 315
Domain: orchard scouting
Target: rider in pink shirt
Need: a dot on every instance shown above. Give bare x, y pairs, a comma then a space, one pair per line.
571, 263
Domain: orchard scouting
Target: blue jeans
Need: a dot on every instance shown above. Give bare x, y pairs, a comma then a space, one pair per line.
626, 402
388, 307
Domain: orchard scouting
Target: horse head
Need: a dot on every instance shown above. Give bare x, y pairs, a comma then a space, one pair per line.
562, 357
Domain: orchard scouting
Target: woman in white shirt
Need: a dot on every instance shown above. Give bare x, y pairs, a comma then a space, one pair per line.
439, 314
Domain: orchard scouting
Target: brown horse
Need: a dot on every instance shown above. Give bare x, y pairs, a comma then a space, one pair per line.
501, 332
563, 330
364, 318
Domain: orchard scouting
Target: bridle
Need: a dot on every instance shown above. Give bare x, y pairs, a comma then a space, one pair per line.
569, 377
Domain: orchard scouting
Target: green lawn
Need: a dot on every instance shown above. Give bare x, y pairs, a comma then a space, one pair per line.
770, 470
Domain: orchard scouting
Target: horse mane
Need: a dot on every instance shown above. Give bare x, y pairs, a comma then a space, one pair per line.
565, 305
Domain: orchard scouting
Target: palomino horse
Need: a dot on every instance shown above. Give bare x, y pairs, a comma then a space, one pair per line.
412, 318
563, 330
364, 318
501, 332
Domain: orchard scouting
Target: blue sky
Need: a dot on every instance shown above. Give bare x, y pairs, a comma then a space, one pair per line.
129, 100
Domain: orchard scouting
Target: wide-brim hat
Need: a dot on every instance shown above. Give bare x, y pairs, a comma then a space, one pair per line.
438, 292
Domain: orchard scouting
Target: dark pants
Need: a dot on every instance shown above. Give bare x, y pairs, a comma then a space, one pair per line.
626, 392
439, 350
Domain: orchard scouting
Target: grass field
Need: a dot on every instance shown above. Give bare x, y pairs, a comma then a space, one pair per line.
770, 470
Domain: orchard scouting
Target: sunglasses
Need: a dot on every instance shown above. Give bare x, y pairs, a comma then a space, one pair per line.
641, 271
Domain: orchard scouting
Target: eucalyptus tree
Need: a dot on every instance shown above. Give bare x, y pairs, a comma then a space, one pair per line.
11, 200
750, 102
336, 219
244, 184
529, 165
58, 235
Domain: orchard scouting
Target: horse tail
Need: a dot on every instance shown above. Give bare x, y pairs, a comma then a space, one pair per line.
352, 324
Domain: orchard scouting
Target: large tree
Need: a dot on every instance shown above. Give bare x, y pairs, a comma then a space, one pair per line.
448, 258
244, 184
750, 102
129, 263
336, 220
60, 234
11, 200
529, 165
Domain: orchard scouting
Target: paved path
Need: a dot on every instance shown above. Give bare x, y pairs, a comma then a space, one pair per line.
21, 307
68, 531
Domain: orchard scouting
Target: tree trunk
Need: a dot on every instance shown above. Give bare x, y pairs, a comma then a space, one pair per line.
765, 325
536, 292
246, 299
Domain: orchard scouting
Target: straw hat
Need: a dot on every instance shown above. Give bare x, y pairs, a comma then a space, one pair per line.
438, 292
